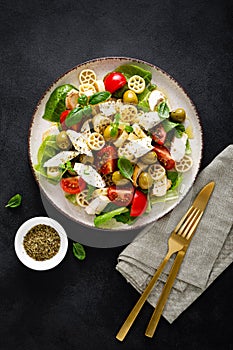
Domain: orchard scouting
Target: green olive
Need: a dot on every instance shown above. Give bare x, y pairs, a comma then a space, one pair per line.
149, 158
118, 179
110, 133
63, 140
130, 97
83, 158
178, 115
145, 180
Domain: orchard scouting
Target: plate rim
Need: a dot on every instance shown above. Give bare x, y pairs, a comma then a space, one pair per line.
123, 58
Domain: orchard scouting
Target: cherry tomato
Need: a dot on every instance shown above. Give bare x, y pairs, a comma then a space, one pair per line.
114, 81
139, 203
73, 185
64, 115
164, 157
106, 160
159, 134
121, 196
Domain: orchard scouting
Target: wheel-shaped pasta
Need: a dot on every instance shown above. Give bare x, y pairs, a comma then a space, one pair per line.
128, 113
124, 152
156, 171
87, 76
72, 99
86, 89
136, 84
100, 192
81, 199
185, 164
96, 141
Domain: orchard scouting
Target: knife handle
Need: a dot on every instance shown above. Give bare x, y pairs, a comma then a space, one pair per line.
141, 301
164, 295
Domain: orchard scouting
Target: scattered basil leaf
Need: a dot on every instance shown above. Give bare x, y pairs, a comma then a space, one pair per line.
14, 201
114, 130
101, 219
90, 190
163, 110
66, 166
175, 178
78, 251
82, 100
128, 128
99, 97
125, 218
168, 125
130, 69
125, 167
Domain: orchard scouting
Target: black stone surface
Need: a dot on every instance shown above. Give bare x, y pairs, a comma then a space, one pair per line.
81, 305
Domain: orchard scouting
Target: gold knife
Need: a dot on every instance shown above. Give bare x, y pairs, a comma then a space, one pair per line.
200, 202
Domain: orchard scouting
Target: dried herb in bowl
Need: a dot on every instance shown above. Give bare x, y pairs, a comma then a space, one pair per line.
42, 242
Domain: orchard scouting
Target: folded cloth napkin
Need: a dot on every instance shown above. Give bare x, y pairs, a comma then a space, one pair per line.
209, 253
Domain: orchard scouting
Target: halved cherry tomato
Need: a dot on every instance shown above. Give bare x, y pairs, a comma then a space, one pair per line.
164, 157
106, 160
159, 134
121, 196
139, 203
73, 185
64, 115
114, 81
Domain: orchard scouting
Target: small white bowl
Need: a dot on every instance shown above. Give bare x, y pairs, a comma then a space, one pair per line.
25, 258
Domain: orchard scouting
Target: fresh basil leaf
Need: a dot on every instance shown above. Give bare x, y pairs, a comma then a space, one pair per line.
130, 69
78, 251
99, 97
114, 130
188, 149
128, 128
180, 129
125, 167
82, 100
71, 198
14, 201
90, 191
120, 92
163, 110
168, 125
175, 178
76, 115
101, 219
117, 118
56, 103
125, 218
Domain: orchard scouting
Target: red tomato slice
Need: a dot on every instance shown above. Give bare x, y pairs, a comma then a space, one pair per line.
159, 134
164, 157
106, 160
114, 81
139, 203
121, 196
73, 185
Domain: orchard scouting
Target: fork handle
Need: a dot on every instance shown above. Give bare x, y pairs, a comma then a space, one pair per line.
135, 311
164, 295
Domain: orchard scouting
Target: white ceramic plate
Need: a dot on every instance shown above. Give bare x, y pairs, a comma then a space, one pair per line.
25, 258
177, 97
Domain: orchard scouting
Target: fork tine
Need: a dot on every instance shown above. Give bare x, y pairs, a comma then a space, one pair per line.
186, 230
183, 219
192, 230
186, 222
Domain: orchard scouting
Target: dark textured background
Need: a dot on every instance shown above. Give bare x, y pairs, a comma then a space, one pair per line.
80, 305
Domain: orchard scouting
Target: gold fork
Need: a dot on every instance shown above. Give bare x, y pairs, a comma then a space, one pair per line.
179, 241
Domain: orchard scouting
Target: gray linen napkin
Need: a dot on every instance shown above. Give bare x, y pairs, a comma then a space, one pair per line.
210, 251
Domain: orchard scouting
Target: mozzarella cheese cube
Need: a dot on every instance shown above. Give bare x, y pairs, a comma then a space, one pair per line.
79, 142
108, 108
148, 120
89, 175
61, 158
160, 187
178, 147
155, 98
97, 205
140, 147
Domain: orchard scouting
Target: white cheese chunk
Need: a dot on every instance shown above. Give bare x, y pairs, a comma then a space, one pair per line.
89, 175
148, 120
100, 121
140, 147
108, 108
160, 187
155, 98
178, 147
61, 158
79, 142
97, 205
